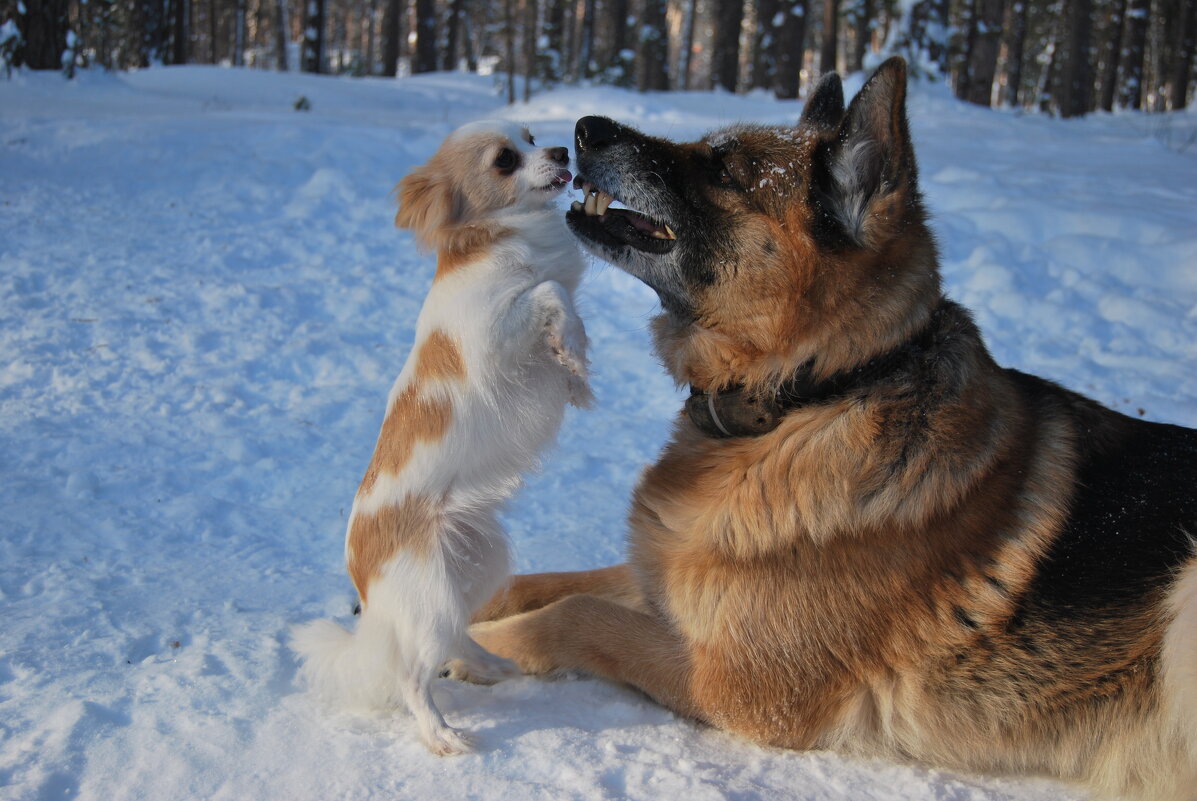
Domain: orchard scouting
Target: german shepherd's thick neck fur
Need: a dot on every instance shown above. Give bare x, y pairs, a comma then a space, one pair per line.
953, 562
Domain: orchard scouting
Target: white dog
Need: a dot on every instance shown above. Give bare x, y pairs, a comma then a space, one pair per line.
499, 351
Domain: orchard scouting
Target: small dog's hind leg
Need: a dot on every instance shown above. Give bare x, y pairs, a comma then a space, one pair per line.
440, 738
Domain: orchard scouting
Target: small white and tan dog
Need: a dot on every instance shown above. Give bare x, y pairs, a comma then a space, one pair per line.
499, 352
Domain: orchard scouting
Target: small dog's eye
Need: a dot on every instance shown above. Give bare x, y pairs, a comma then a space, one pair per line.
506, 159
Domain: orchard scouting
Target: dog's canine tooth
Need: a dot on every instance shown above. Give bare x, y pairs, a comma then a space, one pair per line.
591, 205
602, 201
669, 234
587, 188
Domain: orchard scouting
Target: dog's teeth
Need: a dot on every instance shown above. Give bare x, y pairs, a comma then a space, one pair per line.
669, 234
575, 206
658, 234
602, 202
591, 205
587, 188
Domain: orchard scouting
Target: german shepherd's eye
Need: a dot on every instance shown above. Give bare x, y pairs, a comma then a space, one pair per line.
506, 160
726, 179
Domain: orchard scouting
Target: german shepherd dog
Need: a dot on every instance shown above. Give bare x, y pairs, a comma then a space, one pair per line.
865, 535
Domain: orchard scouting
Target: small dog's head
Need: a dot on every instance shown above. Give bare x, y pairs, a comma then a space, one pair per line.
768, 246
480, 169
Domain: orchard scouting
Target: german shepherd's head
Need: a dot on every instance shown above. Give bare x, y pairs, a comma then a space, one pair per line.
770, 247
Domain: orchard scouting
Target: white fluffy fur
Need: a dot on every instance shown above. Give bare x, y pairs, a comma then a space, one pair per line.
511, 311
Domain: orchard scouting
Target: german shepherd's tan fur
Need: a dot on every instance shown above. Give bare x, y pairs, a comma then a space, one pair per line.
954, 563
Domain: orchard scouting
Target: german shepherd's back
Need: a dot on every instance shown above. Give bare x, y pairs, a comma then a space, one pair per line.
864, 534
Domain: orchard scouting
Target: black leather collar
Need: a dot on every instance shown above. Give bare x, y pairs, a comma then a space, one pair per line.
733, 412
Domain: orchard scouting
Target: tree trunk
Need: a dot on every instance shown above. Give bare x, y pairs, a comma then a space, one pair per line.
1137, 19
313, 37
425, 60
791, 49
1109, 75
1015, 47
1182, 63
764, 70
831, 34
864, 35
392, 35
986, 39
1050, 77
43, 27
553, 32
652, 58
586, 43
281, 35
457, 21
1076, 75
686, 56
509, 40
530, 35
239, 35
725, 50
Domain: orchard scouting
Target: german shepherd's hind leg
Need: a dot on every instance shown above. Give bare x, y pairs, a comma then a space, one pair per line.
535, 590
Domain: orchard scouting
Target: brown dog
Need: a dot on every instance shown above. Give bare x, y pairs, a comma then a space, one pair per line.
864, 534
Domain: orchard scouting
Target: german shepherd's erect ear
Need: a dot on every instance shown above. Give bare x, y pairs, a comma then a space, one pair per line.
867, 171
825, 106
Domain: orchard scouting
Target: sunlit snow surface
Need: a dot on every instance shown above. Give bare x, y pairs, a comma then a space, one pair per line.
203, 302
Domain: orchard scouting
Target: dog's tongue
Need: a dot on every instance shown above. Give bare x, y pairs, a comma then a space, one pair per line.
564, 176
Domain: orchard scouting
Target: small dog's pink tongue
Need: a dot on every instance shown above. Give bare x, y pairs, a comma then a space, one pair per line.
564, 176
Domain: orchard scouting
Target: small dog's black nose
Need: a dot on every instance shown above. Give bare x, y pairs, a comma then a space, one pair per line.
595, 133
559, 155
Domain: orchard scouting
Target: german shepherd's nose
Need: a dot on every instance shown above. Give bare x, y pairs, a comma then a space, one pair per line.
596, 133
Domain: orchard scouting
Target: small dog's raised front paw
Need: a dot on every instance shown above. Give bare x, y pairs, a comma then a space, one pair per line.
567, 340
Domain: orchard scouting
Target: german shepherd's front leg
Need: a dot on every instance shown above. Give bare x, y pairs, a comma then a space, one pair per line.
600, 637
535, 590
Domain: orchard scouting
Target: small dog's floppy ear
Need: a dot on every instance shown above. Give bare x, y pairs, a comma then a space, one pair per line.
426, 204
825, 106
870, 165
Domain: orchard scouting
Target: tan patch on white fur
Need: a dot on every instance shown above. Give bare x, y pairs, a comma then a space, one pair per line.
414, 417
375, 539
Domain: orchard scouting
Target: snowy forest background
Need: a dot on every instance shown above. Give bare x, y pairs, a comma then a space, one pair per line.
1066, 57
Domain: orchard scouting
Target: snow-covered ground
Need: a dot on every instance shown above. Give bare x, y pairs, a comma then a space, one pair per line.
203, 303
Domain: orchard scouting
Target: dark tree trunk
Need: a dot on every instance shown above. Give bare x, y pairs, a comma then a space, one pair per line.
1076, 74
791, 49
457, 18
239, 35
179, 31
554, 30
1055, 44
725, 50
43, 27
1182, 64
392, 35
618, 38
1109, 75
764, 70
313, 36
1015, 47
509, 41
1137, 22
586, 43
831, 34
652, 58
531, 13
425, 60
864, 34
985, 40
281, 35
686, 57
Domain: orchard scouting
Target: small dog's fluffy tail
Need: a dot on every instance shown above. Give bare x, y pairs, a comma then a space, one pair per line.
356, 669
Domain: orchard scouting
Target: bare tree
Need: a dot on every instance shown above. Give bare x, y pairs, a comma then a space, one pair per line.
791, 49
313, 36
425, 60
831, 34
863, 33
509, 40
686, 54
531, 12
985, 38
1076, 74
1109, 75
586, 41
725, 50
764, 69
1182, 64
1137, 20
1015, 47
652, 57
